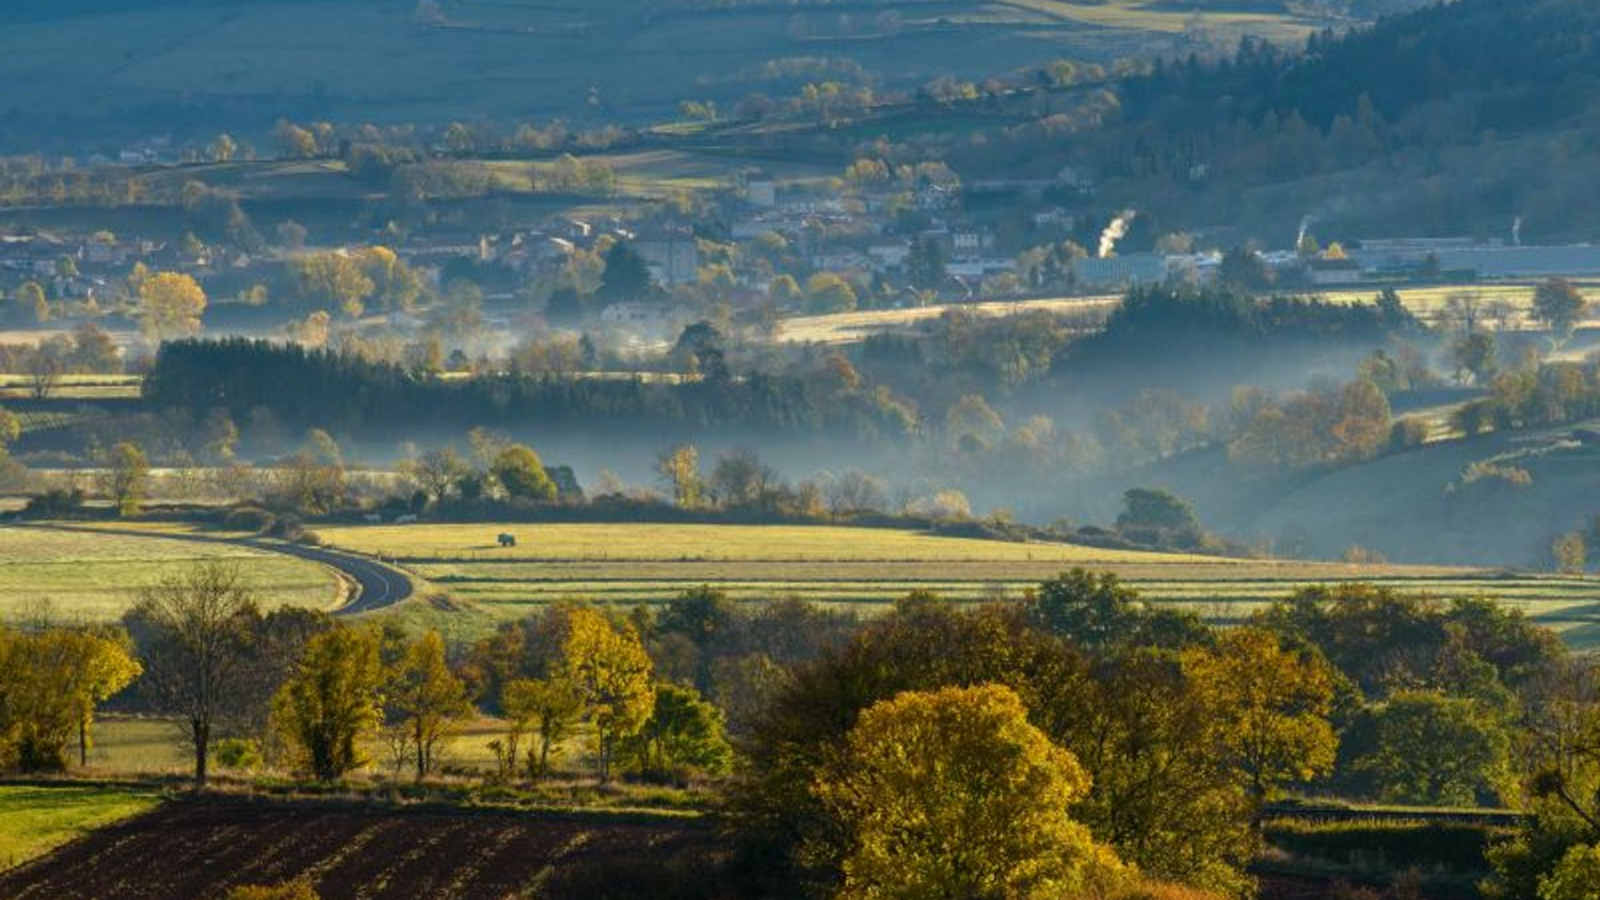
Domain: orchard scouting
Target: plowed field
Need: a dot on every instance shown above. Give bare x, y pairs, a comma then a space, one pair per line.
196, 850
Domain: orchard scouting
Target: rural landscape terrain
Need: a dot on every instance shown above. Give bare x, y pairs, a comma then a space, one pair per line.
802, 450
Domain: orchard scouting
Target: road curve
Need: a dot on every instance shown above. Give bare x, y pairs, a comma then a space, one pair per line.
377, 584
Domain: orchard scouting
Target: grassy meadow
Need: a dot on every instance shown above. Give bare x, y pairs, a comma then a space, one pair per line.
123, 745
34, 820
74, 387
1500, 305
850, 327
79, 574
866, 569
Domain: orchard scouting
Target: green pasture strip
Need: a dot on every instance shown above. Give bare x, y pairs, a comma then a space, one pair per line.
35, 820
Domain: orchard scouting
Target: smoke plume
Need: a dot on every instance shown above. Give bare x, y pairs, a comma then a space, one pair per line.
1116, 231
1305, 226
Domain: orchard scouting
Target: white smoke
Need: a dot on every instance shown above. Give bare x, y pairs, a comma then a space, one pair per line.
1305, 227
1516, 232
1116, 231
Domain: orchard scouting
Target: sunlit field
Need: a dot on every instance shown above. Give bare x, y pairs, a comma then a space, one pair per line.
84, 575
867, 569
33, 820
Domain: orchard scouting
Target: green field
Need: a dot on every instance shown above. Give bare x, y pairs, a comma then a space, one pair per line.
98, 575
73, 387
35, 819
869, 568
125, 745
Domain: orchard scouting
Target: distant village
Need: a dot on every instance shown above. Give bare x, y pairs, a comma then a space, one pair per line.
897, 239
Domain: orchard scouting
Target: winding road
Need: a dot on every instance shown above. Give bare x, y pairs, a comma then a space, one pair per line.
377, 584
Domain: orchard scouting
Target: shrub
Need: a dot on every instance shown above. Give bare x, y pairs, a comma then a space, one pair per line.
1408, 433
237, 753
1388, 844
287, 526
250, 518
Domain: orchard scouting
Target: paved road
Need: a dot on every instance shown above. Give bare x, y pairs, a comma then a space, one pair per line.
377, 584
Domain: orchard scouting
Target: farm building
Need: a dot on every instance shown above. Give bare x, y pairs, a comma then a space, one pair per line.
1122, 271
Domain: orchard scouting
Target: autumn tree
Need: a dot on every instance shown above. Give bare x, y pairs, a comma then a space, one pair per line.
1568, 553
611, 670
438, 473
51, 680
10, 428
951, 794
331, 701
741, 480
127, 477
1475, 357
829, 293
679, 470
545, 709
521, 473
683, 735
31, 297
1559, 304
171, 306
333, 279
193, 632
1268, 708
1559, 751
426, 701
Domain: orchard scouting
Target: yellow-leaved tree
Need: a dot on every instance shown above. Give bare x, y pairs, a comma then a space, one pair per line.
1267, 709
331, 702
609, 666
427, 702
172, 304
951, 794
51, 682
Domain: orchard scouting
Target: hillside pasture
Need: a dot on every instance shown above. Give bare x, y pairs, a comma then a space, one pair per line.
524, 60
867, 569
96, 576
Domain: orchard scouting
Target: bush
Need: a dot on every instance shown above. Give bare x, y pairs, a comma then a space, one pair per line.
1408, 433
238, 753
287, 526
250, 518
1392, 845
54, 503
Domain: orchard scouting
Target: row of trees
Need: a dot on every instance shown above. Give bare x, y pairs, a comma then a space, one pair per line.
1136, 738
317, 695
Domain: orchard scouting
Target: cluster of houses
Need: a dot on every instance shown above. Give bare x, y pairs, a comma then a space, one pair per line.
1370, 262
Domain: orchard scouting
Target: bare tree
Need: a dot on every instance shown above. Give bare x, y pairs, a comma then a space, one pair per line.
195, 630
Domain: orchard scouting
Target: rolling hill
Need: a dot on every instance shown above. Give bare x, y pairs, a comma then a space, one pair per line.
239, 64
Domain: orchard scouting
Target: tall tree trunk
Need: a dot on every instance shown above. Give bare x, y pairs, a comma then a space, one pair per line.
83, 740
422, 752
202, 738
